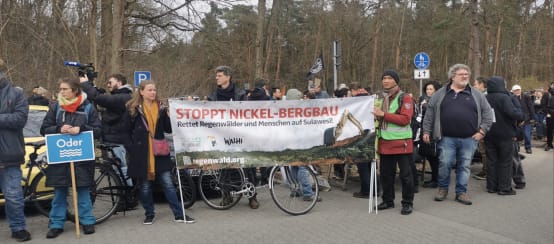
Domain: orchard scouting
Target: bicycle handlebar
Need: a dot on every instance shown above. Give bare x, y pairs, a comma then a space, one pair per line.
36, 144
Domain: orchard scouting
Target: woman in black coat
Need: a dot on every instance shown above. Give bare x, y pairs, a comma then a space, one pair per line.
72, 114
149, 121
429, 88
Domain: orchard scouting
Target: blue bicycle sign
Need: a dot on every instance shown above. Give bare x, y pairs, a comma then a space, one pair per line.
422, 60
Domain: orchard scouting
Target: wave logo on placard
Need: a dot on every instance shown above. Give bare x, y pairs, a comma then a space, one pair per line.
71, 153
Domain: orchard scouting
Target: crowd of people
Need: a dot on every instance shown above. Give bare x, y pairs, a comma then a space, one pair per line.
445, 126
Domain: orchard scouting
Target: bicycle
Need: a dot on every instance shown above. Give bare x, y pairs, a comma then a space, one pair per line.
34, 189
112, 193
222, 188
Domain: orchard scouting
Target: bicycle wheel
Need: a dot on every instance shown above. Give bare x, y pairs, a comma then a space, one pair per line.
40, 195
187, 187
286, 188
106, 194
218, 187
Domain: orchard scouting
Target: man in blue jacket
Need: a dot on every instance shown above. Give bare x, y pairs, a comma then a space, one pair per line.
13, 116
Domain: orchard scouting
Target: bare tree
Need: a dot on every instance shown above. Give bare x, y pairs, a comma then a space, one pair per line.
259, 38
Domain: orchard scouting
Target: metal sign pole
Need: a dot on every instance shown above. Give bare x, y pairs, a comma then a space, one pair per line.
420, 87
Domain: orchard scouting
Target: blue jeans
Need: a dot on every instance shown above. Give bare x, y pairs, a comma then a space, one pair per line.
10, 183
300, 174
59, 207
121, 154
147, 201
454, 150
527, 136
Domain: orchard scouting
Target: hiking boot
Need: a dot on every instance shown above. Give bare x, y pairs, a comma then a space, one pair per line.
295, 193
507, 193
21, 235
406, 209
53, 233
311, 198
441, 194
385, 205
88, 229
360, 195
148, 220
463, 198
480, 176
520, 185
430, 184
253, 203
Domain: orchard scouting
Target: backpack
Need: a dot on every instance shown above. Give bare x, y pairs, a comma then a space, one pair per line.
88, 107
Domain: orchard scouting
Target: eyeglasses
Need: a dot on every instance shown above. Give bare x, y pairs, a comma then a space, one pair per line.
462, 74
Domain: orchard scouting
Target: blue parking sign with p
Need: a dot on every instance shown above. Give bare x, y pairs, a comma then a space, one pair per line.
66, 148
140, 76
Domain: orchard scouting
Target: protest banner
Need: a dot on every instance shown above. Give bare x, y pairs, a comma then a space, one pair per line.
264, 133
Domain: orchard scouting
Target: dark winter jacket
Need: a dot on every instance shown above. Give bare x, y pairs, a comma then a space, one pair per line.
527, 107
232, 92
431, 122
13, 116
116, 123
138, 149
258, 94
505, 112
59, 175
547, 102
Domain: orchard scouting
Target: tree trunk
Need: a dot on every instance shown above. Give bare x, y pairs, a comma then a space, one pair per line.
259, 37
475, 53
374, 75
106, 25
117, 36
272, 27
399, 43
497, 47
92, 32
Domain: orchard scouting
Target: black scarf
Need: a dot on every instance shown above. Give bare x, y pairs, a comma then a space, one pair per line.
258, 94
226, 94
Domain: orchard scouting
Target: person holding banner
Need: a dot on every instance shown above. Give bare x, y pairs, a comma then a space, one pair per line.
149, 122
301, 172
395, 145
13, 116
364, 171
72, 114
228, 91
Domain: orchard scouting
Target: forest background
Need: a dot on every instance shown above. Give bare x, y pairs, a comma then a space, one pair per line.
181, 42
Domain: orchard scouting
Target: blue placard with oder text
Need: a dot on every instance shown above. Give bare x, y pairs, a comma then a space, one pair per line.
66, 148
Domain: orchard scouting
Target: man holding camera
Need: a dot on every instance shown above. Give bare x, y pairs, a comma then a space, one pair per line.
115, 119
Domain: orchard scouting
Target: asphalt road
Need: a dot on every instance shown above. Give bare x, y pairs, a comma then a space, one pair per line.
524, 218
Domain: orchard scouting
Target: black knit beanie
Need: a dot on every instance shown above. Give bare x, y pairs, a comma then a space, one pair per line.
392, 74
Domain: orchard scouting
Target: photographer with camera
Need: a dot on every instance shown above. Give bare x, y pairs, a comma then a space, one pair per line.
115, 119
